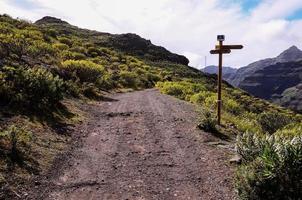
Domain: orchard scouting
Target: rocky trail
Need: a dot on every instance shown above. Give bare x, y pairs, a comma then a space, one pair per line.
141, 145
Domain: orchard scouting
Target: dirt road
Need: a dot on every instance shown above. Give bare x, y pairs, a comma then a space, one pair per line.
144, 145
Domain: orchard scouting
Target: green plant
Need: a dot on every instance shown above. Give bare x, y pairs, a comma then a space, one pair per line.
208, 122
68, 55
272, 121
128, 79
35, 87
16, 138
271, 169
174, 89
85, 70
232, 106
60, 46
90, 91
66, 41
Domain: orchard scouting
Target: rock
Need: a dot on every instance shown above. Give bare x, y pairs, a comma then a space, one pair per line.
236, 159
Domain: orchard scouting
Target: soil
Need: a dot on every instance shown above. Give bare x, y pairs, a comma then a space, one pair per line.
139, 145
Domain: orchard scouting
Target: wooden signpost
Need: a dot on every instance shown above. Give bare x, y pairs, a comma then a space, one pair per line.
220, 50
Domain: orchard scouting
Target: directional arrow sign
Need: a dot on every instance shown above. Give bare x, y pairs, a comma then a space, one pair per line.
217, 47
223, 51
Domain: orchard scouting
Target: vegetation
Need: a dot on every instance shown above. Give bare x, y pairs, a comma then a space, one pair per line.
42, 69
269, 138
45, 65
271, 167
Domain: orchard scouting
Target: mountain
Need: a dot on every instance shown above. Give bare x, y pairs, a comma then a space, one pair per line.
131, 44
269, 78
226, 71
52, 75
291, 54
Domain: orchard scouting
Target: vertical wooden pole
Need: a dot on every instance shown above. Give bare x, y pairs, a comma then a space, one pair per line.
219, 103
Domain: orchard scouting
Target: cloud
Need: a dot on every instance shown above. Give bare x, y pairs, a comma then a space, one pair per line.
186, 27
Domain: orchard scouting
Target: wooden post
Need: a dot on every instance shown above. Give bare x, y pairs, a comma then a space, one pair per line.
220, 50
219, 102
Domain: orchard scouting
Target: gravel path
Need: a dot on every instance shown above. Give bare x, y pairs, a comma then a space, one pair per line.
144, 145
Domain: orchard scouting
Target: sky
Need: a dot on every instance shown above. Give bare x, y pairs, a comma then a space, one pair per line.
189, 27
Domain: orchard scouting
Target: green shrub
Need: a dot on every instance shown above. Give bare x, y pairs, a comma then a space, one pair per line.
60, 46
211, 101
15, 138
40, 49
94, 52
50, 32
291, 130
272, 121
78, 49
66, 41
232, 106
128, 79
90, 91
171, 88
12, 44
245, 122
107, 82
271, 169
199, 98
208, 122
68, 55
72, 88
35, 87
86, 71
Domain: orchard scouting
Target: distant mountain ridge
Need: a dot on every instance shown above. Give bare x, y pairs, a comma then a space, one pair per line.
270, 78
226, 71
289, 55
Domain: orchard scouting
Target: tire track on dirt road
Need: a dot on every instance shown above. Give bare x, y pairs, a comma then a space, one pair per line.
144, 145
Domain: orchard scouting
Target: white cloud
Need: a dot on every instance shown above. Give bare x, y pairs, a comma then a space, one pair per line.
186, 27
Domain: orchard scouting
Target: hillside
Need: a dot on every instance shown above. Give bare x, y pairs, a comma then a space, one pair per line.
269, 78
131, 44
55, 76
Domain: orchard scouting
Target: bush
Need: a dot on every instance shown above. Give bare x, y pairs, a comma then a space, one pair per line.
232, 106
12, 140
90, 91
171, 88
272, 121
107, 82
66, 41
272, 167
72, 88
291, 130
86, 71
200, 97
35, 87
13, 44
68, 55
128, 79
208, 122
60, 46
94, 52
40, 49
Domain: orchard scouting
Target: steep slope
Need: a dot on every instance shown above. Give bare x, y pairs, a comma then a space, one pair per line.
272, 80
269, 78
289, 55
131, 44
